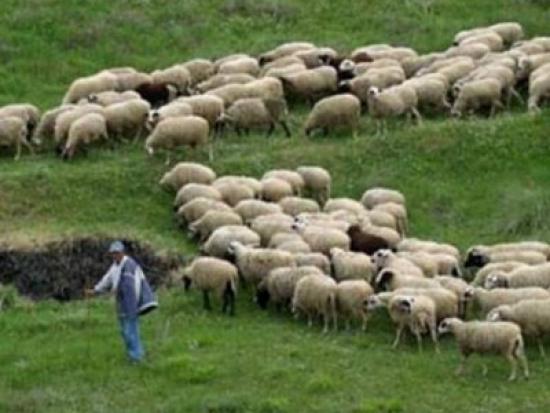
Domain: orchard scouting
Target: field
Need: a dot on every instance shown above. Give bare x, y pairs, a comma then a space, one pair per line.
468, 181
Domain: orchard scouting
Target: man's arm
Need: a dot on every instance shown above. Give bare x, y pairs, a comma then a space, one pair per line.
106, 282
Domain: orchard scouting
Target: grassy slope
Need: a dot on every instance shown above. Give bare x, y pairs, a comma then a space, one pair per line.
465, 182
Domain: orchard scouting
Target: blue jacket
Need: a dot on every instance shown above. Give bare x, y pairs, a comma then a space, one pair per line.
134, 295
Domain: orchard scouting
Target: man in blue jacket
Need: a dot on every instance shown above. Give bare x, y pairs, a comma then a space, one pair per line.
126, 280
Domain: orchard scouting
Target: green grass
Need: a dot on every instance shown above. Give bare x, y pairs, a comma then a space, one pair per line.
466, 182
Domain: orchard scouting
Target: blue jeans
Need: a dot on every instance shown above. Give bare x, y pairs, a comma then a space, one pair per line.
129, 329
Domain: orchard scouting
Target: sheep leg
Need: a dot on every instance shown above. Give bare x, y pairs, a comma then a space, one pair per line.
17, 151
206, 301
326, 321
364, 319
309, 321
238, 130
416, 115
167, 162
398, 332
515, 93
460, 369
229, 301
433, 333
418, 336
512, 359
29, 147
541, 347
210, 152
285, 128
524, 365
270, 129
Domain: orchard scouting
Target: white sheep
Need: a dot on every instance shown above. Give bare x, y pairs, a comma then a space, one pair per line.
315, 259
27, 112
292, 177
387, 259
317, 182
254, 264
446, 302
199, 69
293, 206
487, 337
374, 196
110, 97
246, 64
13, 132
249, 209
171, 133
85, 86
311, 84
399, 212
46, 127
222, 80
177, 76
485, 271
279, 285
64, 120
275, 189
477, 94
84, 131
233, 192
218, 243
339, 111
205, 106
539, 88
283, 50
391, 280
195, 209
533, 316
531, 276
268, 225
191, 191
348, 265
351, 301
187, 172
322, 239
209, 274
254, 184
315, 295
486, 300
394, 101
127, 118
173, 109
347, 204
211, 221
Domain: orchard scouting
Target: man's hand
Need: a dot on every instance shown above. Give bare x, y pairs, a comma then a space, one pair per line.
89, 292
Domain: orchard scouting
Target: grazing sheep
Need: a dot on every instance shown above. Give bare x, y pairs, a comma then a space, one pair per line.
282, 238
283, 50
415, 244
486, 300
157, 94
347, 204
446, 303
293, 206
46, 127
252, 113
295, 247
279, 285
252, 183
266, 88
211, 221
478, 256
110, 97
268, 225
510, 32
315, 295
233, 192
85, 86
310, 84
180, 131
222, 80
321, 239
348, 265
399, 212
205, 106
230, 93
317, 182
487, 337
365, 242
130, 80
177, 76
213, 275
84, 131
391, 280
528, 64
539, 88
533, 317
418, 313
195, 209
171, 110
380, 218
322, 219
431, 92
275, 189
281, 71
340, 111
249, 209
28, 113
254, 264
218, 243
199, 70
315, 259
293, 178
127, 118
386, 258
351, 301
187, 172
248, 65
13, 132
316, 57
374, 196
485, 271
477, 94
423, 260
489, 38
532, 276
191, 191
64, 120
395, 101
382, 78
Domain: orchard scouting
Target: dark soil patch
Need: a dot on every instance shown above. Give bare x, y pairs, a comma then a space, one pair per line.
62, 269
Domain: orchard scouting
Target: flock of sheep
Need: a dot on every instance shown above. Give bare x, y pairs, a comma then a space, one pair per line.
332, 259
183, 105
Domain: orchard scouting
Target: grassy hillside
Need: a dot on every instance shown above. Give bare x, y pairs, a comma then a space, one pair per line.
467, 181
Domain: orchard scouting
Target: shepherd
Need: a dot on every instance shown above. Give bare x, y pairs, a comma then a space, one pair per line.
134, 297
